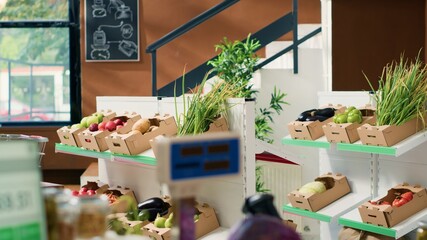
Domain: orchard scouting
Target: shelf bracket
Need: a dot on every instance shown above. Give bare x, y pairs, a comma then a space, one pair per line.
374, 175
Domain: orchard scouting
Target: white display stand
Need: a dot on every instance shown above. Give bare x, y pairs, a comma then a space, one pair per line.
371, 171
225, 195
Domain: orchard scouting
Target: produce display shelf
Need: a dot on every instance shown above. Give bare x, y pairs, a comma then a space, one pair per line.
62, 148
145, 158
352, 219
396, 150
319, 143
334, 210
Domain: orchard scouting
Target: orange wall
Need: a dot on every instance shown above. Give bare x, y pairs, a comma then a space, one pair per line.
159, 17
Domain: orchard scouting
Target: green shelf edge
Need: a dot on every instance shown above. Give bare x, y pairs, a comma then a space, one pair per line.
367, 227
366, 148
139, 159
306, 143
105, 155
81, 151
306, 213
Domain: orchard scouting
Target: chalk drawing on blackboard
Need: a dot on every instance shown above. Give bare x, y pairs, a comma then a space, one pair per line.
100, 45
121, 10
127, 47
99, 9
127, 31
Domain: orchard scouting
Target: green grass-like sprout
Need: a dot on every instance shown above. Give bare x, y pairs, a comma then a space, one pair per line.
402, 92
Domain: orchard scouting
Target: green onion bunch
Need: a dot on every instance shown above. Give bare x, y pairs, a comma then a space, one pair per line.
203, 109
402, 92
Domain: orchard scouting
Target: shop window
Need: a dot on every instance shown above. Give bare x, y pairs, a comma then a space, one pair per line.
39, 62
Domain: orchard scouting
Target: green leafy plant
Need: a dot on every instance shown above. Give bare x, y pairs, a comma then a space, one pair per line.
402, 92
264, 118
235, 64
259, 187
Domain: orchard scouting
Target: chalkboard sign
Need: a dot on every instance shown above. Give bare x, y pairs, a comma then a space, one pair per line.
112, 32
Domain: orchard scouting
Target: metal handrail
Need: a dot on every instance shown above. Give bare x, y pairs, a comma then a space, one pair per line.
272, 32
190, 25
152, 48
265, 36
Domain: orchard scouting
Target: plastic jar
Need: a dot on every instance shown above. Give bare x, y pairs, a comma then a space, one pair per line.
92, 218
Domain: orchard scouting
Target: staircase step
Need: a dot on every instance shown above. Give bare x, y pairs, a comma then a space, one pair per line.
286, 60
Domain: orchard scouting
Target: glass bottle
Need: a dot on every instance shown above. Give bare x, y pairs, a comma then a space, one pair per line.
92, 219
422, 231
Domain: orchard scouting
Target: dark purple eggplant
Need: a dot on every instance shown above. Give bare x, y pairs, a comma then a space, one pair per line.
325, 112
321, 118
311, 118
304, 115
154, 202
150, 214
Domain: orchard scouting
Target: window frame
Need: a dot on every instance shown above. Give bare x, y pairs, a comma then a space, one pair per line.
73, 25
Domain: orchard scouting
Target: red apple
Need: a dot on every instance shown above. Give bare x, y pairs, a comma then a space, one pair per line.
110, 126
118, 121
101, 126
93, 127
75, 193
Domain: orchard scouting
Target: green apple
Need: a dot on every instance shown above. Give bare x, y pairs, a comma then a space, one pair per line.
83, 122
100, 116
76, 126
91, 119
160, 222
169, 221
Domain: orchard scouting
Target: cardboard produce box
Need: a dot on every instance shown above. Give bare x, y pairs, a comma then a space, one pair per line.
389, 216
389, 135
347, 132
69, 136
219, 125
336, 187
206, 223
114, 194
134, 142
96, 140
311, 130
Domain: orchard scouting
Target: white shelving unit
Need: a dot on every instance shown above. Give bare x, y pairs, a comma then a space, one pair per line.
372, 170
226, 195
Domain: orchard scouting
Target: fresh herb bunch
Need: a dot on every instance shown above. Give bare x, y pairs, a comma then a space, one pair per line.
235, 64
402, 92
203, 109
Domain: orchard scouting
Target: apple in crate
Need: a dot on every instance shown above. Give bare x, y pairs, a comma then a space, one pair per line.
101, 126
110, 126
118, 122
93, 127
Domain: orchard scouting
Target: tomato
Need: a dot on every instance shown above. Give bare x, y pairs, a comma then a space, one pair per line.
379, 202
399, 201
408, 196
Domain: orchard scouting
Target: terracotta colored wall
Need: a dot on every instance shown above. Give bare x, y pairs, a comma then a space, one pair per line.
159, 17
366, 35
156, 19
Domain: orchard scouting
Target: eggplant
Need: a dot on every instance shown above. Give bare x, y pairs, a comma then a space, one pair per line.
311, 118
154, 202
150, 214
325, 112
304, 115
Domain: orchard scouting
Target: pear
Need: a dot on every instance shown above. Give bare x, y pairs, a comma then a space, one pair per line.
159, 221
169, 221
